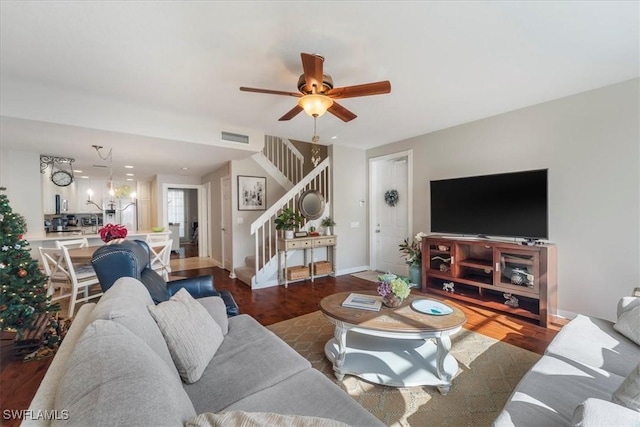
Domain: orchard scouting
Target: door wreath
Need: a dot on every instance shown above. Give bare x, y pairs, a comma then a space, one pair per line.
391, 197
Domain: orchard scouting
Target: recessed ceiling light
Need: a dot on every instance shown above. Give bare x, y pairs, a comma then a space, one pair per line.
130, 174
77, 171
129, 179
84, 176
128, 167
184, 168
334, 137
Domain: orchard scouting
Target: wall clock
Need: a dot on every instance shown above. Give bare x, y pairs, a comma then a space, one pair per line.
61, 178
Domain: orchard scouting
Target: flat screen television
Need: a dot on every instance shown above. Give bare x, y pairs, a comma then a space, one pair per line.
506, 205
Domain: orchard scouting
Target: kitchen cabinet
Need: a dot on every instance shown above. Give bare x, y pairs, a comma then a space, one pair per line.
49, 191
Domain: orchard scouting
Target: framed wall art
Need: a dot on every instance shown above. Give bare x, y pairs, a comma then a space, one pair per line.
252, 193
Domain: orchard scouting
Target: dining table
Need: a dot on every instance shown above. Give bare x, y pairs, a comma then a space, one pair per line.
83, 255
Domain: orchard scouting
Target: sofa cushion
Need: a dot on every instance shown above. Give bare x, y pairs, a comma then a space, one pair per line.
112, 375
191, 334
599, 413
126, 303
258, 419
551, 390
251, 358
594, 342
308, 393
628, 394
628, 324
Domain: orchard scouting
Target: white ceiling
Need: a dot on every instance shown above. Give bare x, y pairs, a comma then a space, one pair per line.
159, 80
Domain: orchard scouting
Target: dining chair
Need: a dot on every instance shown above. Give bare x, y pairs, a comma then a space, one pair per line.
160, 254
74, 243
58, 277
64, 275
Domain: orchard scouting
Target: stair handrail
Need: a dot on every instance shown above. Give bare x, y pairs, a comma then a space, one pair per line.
285, 157
293, 148
288, 196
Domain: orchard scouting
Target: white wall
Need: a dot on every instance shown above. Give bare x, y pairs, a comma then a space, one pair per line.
20, 174
243, 241
349, 187
590, 144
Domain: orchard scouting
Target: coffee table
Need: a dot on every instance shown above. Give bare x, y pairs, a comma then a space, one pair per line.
393, 347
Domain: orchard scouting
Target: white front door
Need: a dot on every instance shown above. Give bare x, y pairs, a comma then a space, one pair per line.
226, 228
390, 225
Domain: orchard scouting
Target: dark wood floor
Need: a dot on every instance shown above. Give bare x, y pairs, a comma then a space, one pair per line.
20, 380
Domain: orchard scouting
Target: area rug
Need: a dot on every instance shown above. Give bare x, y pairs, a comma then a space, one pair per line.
488, 372
370, 275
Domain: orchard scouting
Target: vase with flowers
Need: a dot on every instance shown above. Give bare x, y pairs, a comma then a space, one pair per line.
413, 256
110, 232
393, 290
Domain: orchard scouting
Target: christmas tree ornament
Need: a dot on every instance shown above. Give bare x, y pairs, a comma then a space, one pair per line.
22, 273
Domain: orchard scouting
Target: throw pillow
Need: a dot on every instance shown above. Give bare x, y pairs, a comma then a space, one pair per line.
626, 304
628, 324
259, 419
191, 334
628, 394
114, 378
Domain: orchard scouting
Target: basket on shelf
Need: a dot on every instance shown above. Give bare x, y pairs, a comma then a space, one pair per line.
321, 267
297, 272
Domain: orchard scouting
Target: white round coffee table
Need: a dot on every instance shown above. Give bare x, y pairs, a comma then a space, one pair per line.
393, 347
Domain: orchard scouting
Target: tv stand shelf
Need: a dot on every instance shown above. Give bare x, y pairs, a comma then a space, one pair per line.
504, 276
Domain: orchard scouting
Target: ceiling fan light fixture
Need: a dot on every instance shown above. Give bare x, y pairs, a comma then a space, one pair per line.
315, 105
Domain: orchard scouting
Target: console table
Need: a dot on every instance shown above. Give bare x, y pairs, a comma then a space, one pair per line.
307, 245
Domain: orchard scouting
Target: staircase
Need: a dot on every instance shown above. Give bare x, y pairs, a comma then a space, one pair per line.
282, 160
260, 269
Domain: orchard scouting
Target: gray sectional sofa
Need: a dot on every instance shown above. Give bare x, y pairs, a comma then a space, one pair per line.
574, 381
114, 368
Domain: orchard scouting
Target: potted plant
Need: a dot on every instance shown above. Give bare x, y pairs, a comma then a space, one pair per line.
288, 220
393, 290
113, 233
413, 256
327, 223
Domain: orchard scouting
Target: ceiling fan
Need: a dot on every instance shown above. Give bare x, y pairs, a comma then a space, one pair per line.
317, 93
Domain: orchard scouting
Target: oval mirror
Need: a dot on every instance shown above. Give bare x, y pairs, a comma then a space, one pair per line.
311, 204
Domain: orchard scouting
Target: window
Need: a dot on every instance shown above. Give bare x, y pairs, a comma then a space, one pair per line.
176, 208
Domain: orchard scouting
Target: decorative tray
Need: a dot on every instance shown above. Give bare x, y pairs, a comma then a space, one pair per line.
429, 306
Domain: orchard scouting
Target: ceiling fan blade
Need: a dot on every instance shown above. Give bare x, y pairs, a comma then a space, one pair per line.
271, 92
342, 113
291, 113
312, 66
365, 89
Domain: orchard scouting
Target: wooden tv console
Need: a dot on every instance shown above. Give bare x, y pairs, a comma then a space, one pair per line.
492, 273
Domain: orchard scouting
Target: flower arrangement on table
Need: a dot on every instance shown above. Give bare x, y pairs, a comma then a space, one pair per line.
393, 289
112, 231
412, 250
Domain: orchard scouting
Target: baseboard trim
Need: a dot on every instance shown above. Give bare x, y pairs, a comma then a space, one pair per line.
352, 270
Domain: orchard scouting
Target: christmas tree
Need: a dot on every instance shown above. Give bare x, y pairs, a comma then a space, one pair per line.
23, 287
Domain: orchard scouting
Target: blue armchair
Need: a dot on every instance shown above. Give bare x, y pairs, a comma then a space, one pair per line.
132, 259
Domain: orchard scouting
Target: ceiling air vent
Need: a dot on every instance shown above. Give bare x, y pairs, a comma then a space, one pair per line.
235, 137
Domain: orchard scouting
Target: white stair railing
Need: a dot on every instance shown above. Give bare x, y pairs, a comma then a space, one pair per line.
285, 157
264, 227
